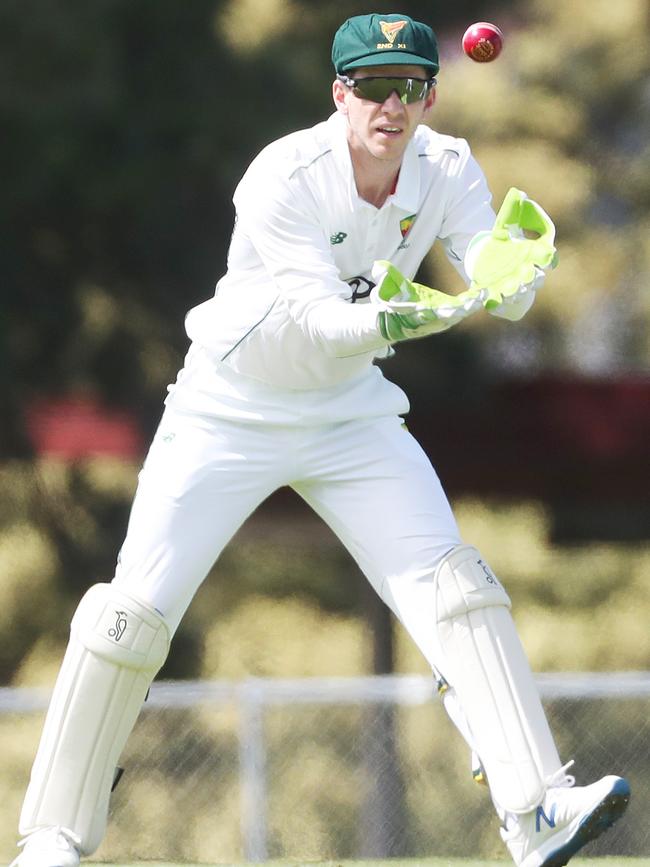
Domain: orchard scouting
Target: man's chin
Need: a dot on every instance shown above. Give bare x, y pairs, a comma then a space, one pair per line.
392, 149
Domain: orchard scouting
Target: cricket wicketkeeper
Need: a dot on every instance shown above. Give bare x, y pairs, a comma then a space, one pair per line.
280, 388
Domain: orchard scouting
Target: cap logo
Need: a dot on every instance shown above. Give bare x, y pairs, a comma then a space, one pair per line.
390, 29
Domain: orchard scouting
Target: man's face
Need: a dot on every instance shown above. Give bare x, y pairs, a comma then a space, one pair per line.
381, 130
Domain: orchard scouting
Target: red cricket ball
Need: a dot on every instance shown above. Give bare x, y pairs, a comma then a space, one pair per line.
483, 42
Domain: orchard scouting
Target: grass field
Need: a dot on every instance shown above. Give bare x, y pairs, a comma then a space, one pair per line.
414, 862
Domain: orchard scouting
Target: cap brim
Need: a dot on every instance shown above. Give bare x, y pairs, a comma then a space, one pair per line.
392, 58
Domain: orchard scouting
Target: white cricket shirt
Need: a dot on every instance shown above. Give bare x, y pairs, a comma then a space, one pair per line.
289, 336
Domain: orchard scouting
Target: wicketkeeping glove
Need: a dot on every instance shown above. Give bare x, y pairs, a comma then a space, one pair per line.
410, 309
508, 262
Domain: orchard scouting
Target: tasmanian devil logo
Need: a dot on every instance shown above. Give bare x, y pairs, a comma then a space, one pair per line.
118, 630
406, 224
361, 288
390, 29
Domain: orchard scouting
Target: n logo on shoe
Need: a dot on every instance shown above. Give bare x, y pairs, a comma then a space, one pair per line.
550, 821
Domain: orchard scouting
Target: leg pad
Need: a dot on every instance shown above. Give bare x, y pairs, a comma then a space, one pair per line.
484, 662
117, 645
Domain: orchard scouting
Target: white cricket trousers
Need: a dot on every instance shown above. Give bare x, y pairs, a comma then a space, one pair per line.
368, 479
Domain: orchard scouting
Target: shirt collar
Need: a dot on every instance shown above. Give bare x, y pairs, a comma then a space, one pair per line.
406, 195
341, 152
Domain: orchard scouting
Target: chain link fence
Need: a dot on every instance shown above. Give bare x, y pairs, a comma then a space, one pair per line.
329, 768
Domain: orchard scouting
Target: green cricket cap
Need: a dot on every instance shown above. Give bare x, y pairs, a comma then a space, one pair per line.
377, 40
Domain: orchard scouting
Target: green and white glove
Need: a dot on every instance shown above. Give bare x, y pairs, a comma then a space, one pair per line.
509, 262
409, 310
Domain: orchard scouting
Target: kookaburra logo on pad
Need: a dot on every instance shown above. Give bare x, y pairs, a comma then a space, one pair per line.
118, 630
390, 29
490, 577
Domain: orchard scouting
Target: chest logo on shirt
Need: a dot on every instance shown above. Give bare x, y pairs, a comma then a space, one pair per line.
405, 227
405, 224
338, 237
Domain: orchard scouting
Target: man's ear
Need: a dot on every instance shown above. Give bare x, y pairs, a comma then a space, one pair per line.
339, 93
429, 101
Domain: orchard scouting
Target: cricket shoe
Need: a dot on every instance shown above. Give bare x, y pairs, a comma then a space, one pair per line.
49, 847
565, 821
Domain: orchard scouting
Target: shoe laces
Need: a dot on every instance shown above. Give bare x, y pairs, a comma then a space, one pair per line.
560, 779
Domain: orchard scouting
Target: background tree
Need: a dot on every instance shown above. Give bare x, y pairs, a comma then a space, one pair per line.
126, 127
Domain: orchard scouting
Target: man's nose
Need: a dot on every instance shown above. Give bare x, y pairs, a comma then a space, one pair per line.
393, 103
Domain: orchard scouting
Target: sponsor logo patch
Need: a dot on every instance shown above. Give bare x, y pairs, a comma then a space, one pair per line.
361, 288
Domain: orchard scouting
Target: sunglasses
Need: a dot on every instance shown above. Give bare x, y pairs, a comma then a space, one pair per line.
378, 89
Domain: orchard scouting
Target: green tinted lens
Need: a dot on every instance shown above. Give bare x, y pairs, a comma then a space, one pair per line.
379, 89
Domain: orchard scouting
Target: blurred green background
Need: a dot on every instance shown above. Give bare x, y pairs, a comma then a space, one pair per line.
126, 126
